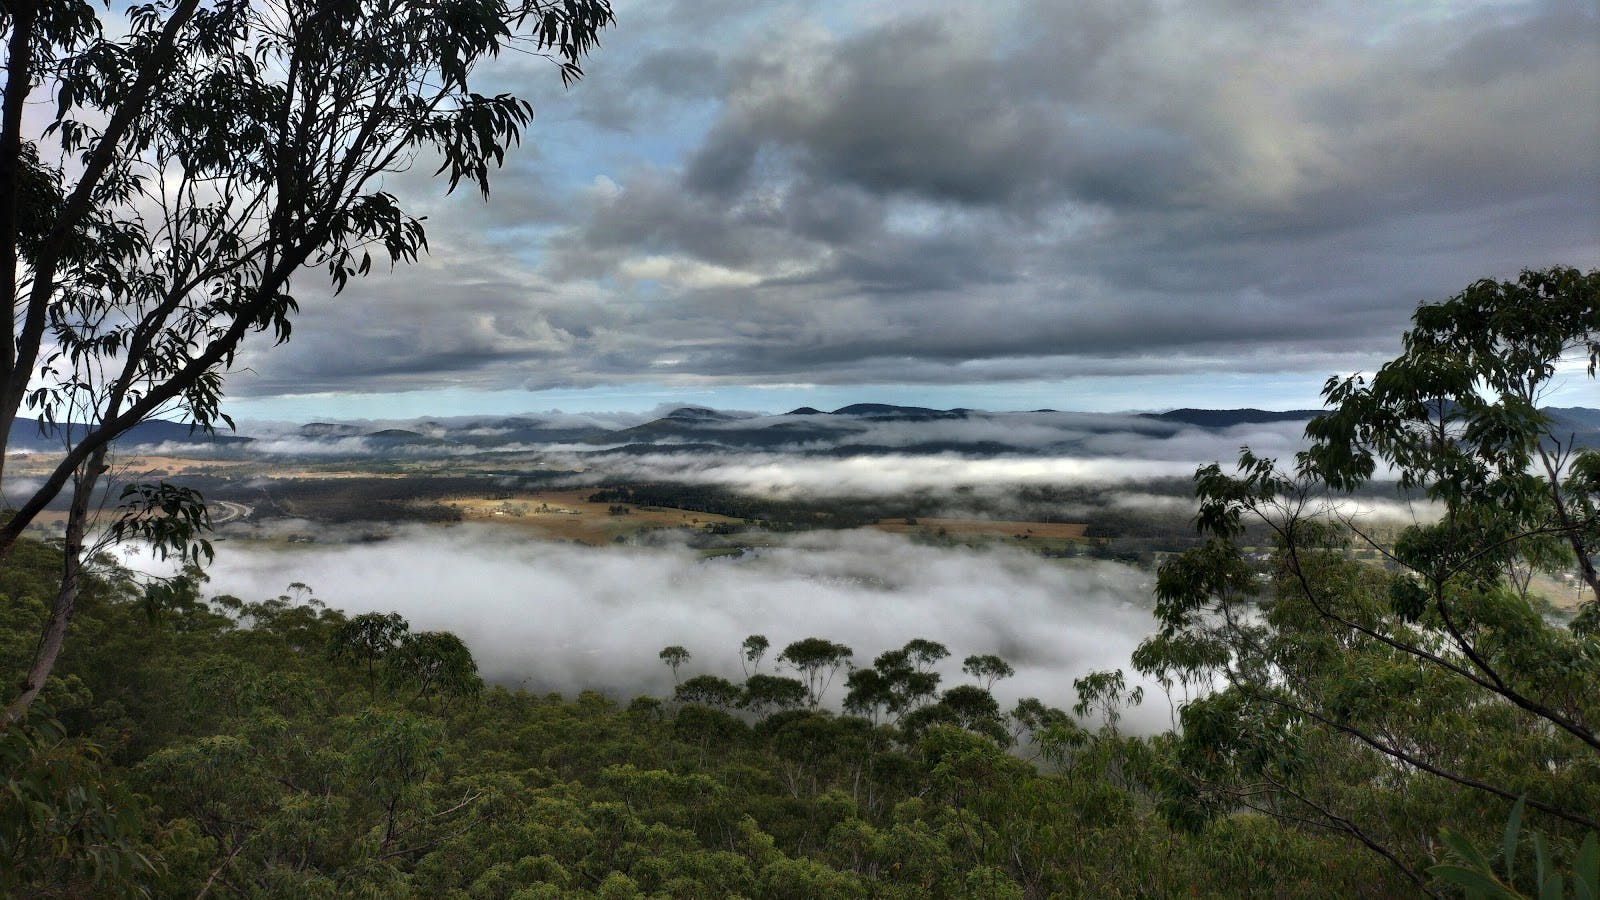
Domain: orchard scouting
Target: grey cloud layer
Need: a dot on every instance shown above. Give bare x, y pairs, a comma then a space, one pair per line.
854, 193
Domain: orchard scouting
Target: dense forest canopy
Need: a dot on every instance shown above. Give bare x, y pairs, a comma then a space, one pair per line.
281, 748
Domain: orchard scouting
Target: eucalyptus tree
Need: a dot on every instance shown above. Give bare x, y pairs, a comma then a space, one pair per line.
366, 639
1429, 672
709, 690
764, 693
987, 668
433, 661
1103, 694
899, 681
197, 167
965, 706
751, 651
817, 660
674, 657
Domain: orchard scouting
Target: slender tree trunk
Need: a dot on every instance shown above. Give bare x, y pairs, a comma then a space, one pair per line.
55, 630
1585, 566
19, 81
29, 338
1574, 536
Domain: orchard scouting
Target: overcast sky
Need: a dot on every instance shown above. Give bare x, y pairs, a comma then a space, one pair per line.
1096, 204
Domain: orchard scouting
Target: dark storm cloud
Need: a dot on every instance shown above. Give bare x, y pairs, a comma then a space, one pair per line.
847, 193
634, 101
922, 110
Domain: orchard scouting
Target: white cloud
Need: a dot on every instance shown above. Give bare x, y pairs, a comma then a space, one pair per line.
683, 272
869, 193
562, 617
783, 475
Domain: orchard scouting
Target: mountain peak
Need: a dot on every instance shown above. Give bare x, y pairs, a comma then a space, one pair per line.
1224, 418
888, 411
697, 414
329, 430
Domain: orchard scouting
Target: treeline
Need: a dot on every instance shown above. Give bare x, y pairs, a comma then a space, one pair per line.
1116, 531
769, 514
192, 745
900, 690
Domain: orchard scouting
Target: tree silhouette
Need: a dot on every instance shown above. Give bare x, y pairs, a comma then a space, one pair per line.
212, 155
366, 639
708, 690
987, 669
752, 650
674, 656
1360, 661
772, 692
817, 660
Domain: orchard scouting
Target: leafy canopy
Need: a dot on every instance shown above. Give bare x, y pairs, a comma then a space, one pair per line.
1371, 649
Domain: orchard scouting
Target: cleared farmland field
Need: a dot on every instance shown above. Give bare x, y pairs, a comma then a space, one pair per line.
571, 516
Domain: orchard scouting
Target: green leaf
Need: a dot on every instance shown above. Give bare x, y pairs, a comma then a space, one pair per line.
1586, 869
1471, 880
1464, 851
1508, 848
1407, 598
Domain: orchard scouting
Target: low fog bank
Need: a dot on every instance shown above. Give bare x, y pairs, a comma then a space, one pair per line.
1114, 460
1050, 434
561, 617
782, 475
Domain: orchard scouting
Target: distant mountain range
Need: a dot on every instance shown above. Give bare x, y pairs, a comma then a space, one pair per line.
860, 428
1578, 418
32, 435
1227, 418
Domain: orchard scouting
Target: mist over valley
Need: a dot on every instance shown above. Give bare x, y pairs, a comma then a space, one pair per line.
1033, 535
623, 450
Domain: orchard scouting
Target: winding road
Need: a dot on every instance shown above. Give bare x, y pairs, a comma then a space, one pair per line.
225, 511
